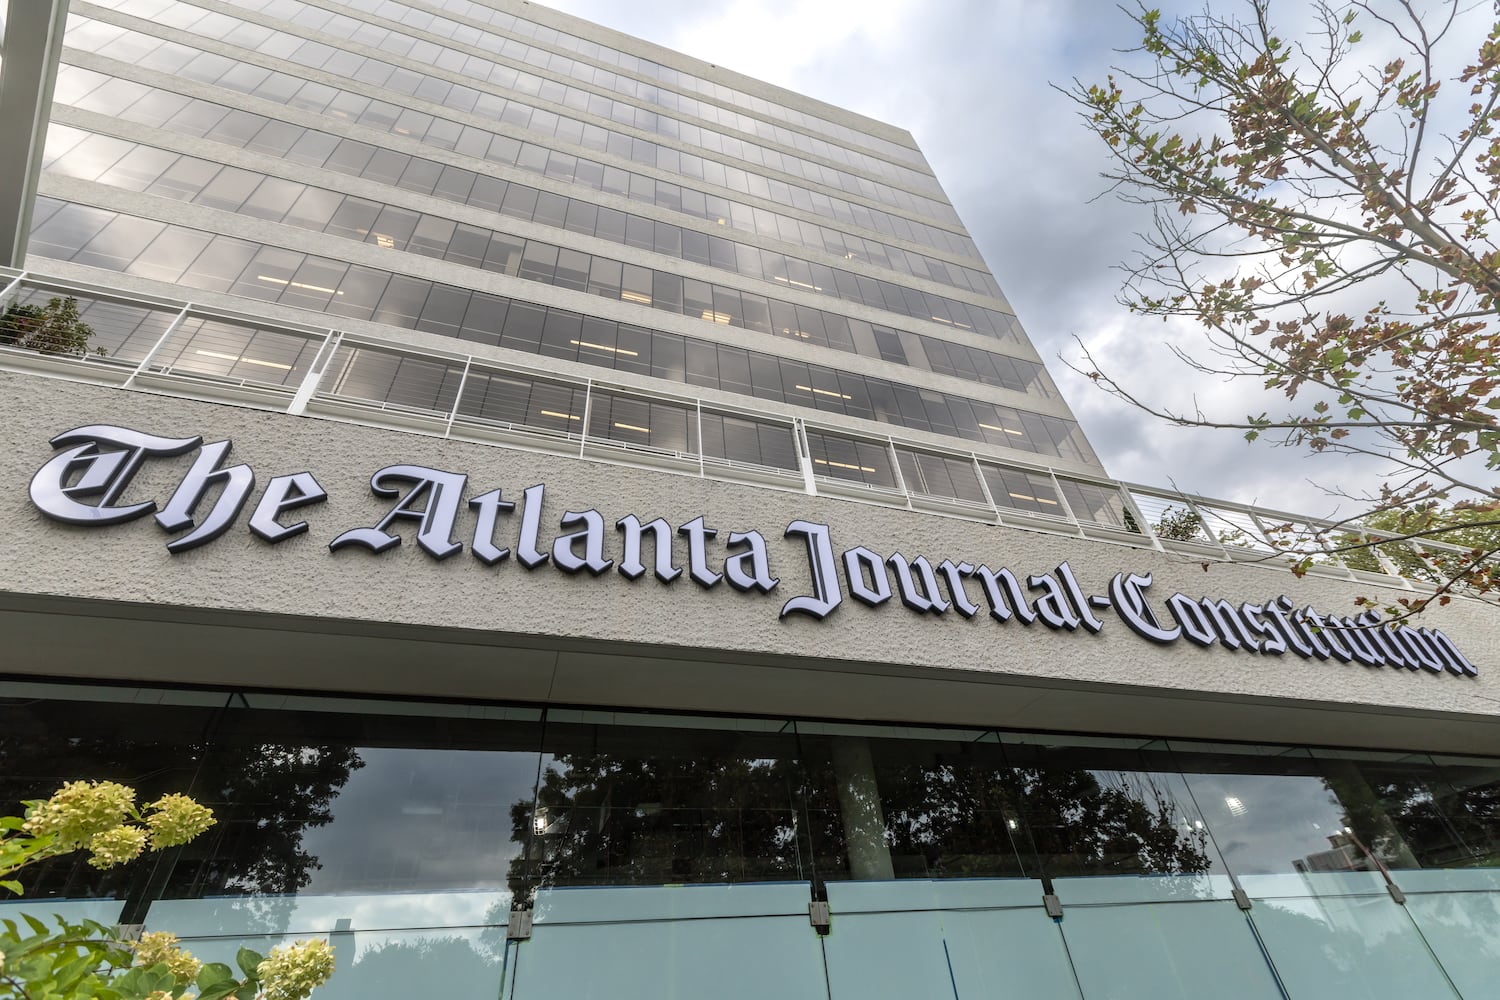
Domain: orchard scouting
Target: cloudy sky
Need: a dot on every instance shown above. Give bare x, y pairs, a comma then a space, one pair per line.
972, 81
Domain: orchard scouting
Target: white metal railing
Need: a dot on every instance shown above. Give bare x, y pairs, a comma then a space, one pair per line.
1164, 519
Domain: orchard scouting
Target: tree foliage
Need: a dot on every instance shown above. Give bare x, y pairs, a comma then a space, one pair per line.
604, 818
54, 328
1323, 207
89, 961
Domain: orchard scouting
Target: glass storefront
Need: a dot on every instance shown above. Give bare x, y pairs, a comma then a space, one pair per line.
671, 855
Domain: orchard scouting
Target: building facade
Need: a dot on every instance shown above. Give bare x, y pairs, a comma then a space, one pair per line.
589, 522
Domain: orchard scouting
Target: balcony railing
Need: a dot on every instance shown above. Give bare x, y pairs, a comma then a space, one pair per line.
178, 348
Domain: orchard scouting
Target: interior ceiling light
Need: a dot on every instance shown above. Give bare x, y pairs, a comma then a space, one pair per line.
1023, 496
245, 361
605, 347
825, 392
297, 284
842, 465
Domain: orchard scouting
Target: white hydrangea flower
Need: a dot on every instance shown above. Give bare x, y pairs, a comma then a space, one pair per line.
162, 948
116, 846
293, 971
176, 819
80, 810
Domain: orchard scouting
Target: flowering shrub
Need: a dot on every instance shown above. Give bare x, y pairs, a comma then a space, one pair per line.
88, 961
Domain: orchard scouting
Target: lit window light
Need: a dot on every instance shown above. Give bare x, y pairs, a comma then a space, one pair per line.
1007, 430
382, 240
644, 300
247, 361
793, 281
1023, 496
825, 392
1235, 806
842, 465
632, 427
560, 416
605, 347
297, 284
716, 317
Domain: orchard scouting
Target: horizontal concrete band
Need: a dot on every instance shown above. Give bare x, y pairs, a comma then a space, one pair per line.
556, 619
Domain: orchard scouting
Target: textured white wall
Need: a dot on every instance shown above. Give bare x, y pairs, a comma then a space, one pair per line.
545, 608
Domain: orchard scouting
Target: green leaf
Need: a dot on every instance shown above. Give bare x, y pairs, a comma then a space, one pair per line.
13, 886
249, 963
215, 974
36, 925
220, 990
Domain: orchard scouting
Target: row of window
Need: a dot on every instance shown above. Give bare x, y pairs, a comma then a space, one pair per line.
512, 399
895, 467
416, 382
629, 63
200, 346
135, 167
324, 796
360, 30
118, 99
119, 242
161, 108
240, 74
852, 147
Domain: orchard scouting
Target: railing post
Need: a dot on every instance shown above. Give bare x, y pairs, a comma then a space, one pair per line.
1213, 536
463, 380
1063, 500
1134, 510
804, 456
12, 291
698, 409
314, 376
984, 488
160, 342
588, 402
890, 450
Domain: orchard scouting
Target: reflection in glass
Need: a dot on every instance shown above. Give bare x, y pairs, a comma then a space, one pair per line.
632, 804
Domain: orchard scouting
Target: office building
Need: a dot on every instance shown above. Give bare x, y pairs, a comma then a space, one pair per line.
589, 521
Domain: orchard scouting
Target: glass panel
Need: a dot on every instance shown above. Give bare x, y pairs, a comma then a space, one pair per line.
1172, 947
1458, 913
730, 942
1280, 811
156, 747
631, 802
1326, 940
945, 939
373, 804
1110, 807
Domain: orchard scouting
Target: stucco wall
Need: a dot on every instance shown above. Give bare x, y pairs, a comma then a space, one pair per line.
459, 601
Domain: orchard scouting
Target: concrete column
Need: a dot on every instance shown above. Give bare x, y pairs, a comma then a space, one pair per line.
859, 805
28, 70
